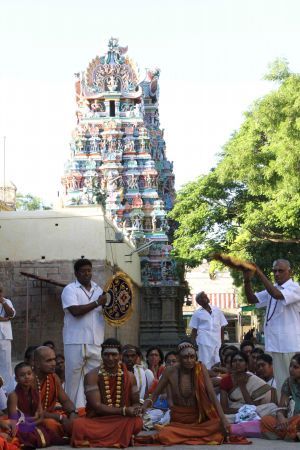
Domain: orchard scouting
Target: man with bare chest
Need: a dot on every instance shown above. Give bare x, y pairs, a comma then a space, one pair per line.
113, 408
196, 415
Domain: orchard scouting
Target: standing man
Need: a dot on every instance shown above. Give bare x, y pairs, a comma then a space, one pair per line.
282, 318
7, 313
207, 325
83, 331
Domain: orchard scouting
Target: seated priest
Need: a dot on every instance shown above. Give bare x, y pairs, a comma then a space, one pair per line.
58, 410
196, 415
113, 408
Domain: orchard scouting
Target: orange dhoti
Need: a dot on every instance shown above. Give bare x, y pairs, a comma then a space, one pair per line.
196, 425
49, 399
105, 431
269, 431
4, 445
185, 428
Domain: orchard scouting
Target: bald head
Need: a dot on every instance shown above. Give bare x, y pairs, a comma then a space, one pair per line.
41, 352
44, 360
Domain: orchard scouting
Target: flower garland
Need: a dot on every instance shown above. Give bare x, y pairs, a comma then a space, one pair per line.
47, 390
107, 391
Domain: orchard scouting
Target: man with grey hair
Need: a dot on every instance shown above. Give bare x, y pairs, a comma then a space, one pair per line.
207, 324
282, 318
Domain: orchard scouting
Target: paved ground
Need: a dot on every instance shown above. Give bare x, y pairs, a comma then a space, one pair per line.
257, 444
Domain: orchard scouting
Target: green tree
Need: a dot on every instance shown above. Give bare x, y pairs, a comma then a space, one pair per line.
278, 70
249, 204
99, 194
30, 202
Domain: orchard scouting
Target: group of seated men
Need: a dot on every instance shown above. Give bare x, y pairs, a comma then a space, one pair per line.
121, 396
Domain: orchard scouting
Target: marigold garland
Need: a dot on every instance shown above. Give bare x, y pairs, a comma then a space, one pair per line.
107, 391
45, 406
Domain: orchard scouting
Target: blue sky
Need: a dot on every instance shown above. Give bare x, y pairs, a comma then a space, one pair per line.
212, 55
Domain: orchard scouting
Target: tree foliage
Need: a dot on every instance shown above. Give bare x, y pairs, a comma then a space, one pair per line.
249, 204
278, 70
30, 202
99, 194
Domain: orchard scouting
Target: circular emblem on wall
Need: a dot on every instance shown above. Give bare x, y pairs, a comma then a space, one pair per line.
120, 293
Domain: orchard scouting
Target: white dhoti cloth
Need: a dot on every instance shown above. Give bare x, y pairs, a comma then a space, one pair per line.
79, 360
208, 355
5, 364
281, 365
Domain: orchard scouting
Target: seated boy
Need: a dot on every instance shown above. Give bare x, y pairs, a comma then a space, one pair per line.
25, 411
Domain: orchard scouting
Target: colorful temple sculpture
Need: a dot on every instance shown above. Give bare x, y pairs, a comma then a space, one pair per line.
118, 159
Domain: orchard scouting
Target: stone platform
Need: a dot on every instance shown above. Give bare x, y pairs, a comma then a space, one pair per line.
257, 444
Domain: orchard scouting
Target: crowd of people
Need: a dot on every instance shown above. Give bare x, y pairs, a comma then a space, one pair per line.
100, 393
174, 395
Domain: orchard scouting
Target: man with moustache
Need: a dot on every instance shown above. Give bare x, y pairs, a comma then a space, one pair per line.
51, 393
207, 325
282, 318
83, 331
196, 415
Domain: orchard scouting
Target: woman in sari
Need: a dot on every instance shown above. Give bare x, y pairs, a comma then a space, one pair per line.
286, 424
240, 388
155, 360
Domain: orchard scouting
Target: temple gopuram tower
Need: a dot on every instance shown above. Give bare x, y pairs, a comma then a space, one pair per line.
118, 159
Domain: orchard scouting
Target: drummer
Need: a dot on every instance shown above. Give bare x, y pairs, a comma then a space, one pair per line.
83, 331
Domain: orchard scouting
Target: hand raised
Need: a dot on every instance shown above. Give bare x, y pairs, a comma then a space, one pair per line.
248, 274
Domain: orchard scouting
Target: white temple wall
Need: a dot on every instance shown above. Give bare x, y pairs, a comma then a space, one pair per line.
32, 242
65, 234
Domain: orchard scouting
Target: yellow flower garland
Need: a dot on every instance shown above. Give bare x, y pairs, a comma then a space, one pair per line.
108, 397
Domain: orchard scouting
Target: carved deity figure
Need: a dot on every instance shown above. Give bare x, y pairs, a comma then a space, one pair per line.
167, 270
88, 183
74, 184
137, 202
119, 145
132, 182
137, 225
153, 223
146, 272
94, 144
129, 146
137, 110
96, 106
148, 181
164, 226
111, 83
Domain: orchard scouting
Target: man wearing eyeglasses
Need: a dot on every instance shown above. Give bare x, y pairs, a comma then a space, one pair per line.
282, 318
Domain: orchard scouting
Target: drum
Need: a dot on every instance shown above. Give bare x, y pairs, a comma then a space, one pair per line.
120, 294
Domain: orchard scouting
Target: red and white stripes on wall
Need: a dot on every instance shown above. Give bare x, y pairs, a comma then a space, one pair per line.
221, 300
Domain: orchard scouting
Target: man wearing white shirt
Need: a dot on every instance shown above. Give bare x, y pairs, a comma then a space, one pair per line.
144, 377
83, 331
282, 318
7, 313
207, 325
